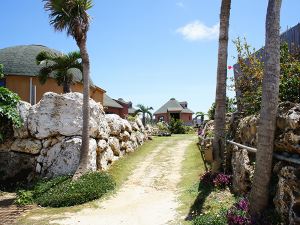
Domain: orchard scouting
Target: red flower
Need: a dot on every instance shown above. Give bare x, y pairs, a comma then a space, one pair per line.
230, 67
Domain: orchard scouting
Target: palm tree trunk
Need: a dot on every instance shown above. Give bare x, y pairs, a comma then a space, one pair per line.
66, 87
144, 119
259, 195
82, 168
220, 112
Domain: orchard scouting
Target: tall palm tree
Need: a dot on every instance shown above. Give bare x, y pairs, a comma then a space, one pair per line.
63, 67
220, 111
144, 110
72, 16
270, 89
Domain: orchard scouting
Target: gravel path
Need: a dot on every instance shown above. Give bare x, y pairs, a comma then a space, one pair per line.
149, 196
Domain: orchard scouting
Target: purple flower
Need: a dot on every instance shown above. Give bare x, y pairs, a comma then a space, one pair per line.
222, 180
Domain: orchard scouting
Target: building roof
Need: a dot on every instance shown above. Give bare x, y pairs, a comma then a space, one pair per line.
172, 106
21, 60
109, 102
131, 110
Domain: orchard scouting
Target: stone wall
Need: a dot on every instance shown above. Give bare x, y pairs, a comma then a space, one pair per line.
286, 196
48, 143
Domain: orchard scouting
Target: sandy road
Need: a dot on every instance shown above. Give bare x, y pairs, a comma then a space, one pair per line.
148, 197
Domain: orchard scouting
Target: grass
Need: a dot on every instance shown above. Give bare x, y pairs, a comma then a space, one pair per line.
192, 168
196, 199
120, 171
122, 168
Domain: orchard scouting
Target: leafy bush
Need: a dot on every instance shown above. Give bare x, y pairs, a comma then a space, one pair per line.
62, 191
250, 83
131, 118
24, 197
176, 126
230, 108
238, 214
211, 219
8, 111
189, 130
162, 127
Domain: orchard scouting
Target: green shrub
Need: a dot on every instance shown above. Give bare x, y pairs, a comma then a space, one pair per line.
9, 114
211, 219
131, 118
24, 197
189, 130
162, 127
62, 191
176, 126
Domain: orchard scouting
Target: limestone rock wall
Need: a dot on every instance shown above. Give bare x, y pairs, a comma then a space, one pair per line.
48, 143
287, 143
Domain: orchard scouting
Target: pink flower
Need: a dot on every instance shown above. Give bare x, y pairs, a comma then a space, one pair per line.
230, 67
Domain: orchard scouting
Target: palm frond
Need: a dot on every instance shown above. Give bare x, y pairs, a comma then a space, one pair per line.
45, 56
69, 15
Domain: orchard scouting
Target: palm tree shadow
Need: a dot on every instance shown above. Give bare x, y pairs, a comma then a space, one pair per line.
204, 190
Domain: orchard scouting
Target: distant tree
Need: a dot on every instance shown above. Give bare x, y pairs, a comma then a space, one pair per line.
220, 112
259, 195
145, 111
72, 16
62, 67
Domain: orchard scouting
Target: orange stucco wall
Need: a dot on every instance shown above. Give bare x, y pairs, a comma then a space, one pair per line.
21, 86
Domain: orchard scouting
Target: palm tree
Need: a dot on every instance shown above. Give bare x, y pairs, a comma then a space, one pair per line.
144, 110
63, 67
72, 16
270, 89
220, 111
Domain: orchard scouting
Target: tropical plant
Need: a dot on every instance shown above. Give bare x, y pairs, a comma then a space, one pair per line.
62, 67
177, 126
9, 114
249, 84
270, 89
220, 112
145, 111
72, 16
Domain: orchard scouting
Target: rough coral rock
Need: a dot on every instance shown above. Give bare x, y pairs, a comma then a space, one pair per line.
115, 145
288, 194
124, 136
30, 146
61, 114
242, 171
102, 145
23, 109
105, 159
16, 167
115, 124
63, 157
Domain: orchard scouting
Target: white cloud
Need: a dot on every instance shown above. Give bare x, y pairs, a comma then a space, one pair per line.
196, 31
180, 4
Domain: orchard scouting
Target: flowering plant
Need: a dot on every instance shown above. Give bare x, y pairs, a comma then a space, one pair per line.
238, 214
221, 180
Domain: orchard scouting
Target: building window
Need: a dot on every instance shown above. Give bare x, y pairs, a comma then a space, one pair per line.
161, 119
190, 118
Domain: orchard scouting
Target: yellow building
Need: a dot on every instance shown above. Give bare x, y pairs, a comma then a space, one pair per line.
20, 70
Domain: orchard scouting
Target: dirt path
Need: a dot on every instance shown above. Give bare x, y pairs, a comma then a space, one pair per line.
147, 197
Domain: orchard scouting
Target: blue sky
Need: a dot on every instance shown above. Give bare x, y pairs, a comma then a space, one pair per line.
148, 51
